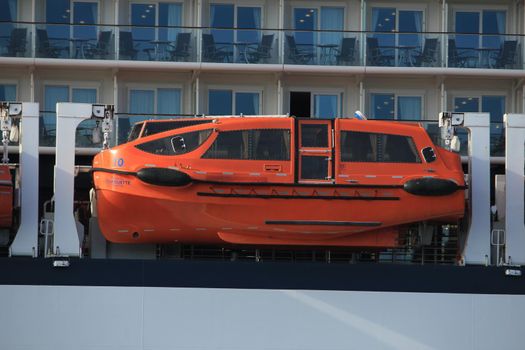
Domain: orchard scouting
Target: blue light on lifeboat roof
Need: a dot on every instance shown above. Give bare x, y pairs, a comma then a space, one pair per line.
360, 115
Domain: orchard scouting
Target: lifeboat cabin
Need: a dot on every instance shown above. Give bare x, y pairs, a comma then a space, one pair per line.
275, 181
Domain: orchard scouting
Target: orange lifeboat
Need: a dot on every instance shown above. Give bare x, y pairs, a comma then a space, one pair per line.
6, 197
275, 181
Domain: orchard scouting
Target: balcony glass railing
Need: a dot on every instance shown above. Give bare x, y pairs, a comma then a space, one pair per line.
15, 39
261, 46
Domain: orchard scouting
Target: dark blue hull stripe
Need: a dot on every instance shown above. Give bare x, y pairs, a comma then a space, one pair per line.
263, 275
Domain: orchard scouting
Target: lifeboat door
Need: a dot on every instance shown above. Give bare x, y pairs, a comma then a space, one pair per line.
315, 150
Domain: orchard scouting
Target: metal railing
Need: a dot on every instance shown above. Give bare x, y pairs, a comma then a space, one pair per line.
262, 46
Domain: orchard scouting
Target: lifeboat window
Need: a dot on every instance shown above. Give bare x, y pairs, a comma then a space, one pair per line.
314, 167
153, 128
176, 144
263, 144
135, 132
314, 135
375, 147
429, 154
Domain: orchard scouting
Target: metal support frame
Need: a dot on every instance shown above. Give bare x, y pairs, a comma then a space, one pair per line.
514, 187
26, 239
69, 115
477, 245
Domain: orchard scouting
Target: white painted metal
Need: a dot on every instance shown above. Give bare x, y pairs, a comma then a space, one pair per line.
82, 318
69, 115
26, 239
514, 187
477, 248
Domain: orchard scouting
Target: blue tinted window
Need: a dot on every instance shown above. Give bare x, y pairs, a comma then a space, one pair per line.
384, 20
84, 132
8, 12
467, 22
382, 106
332, 18
143, 15
222, 17
248, 18
84, 95
409, 107
493, 23
169, 15
466, 104
410, 21
247, 103
325, 106
58, 11
85, 13
52, 95
495, 105
305, 19
220, 102
168, 101
7, 92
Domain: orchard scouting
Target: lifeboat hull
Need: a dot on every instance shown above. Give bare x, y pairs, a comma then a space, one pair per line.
330, 183
6, 197
132, 211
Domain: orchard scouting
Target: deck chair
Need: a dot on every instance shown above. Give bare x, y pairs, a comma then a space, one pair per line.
506, 57
460, 59
44, 48
297, 55
212, 53
375, 56
429, 56
346, 54
181, 50
101, 49
16, 46
126, 47
263, 51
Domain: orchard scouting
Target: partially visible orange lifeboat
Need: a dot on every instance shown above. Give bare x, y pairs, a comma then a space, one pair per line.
6, 197
275, 181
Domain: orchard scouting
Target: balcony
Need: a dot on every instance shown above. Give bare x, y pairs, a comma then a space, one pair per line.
261, 46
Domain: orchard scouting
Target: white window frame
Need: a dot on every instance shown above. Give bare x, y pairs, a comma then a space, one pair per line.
157, 8
340, 93
318, 7
475, 8
154, 88
398, 7
234, 90
71, 86
397, 93
236, 5
452, 95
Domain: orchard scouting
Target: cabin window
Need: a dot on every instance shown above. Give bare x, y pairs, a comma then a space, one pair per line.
374, 147
176, 144
429, 154
314, 135
153, 128
135, 132
264, 144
